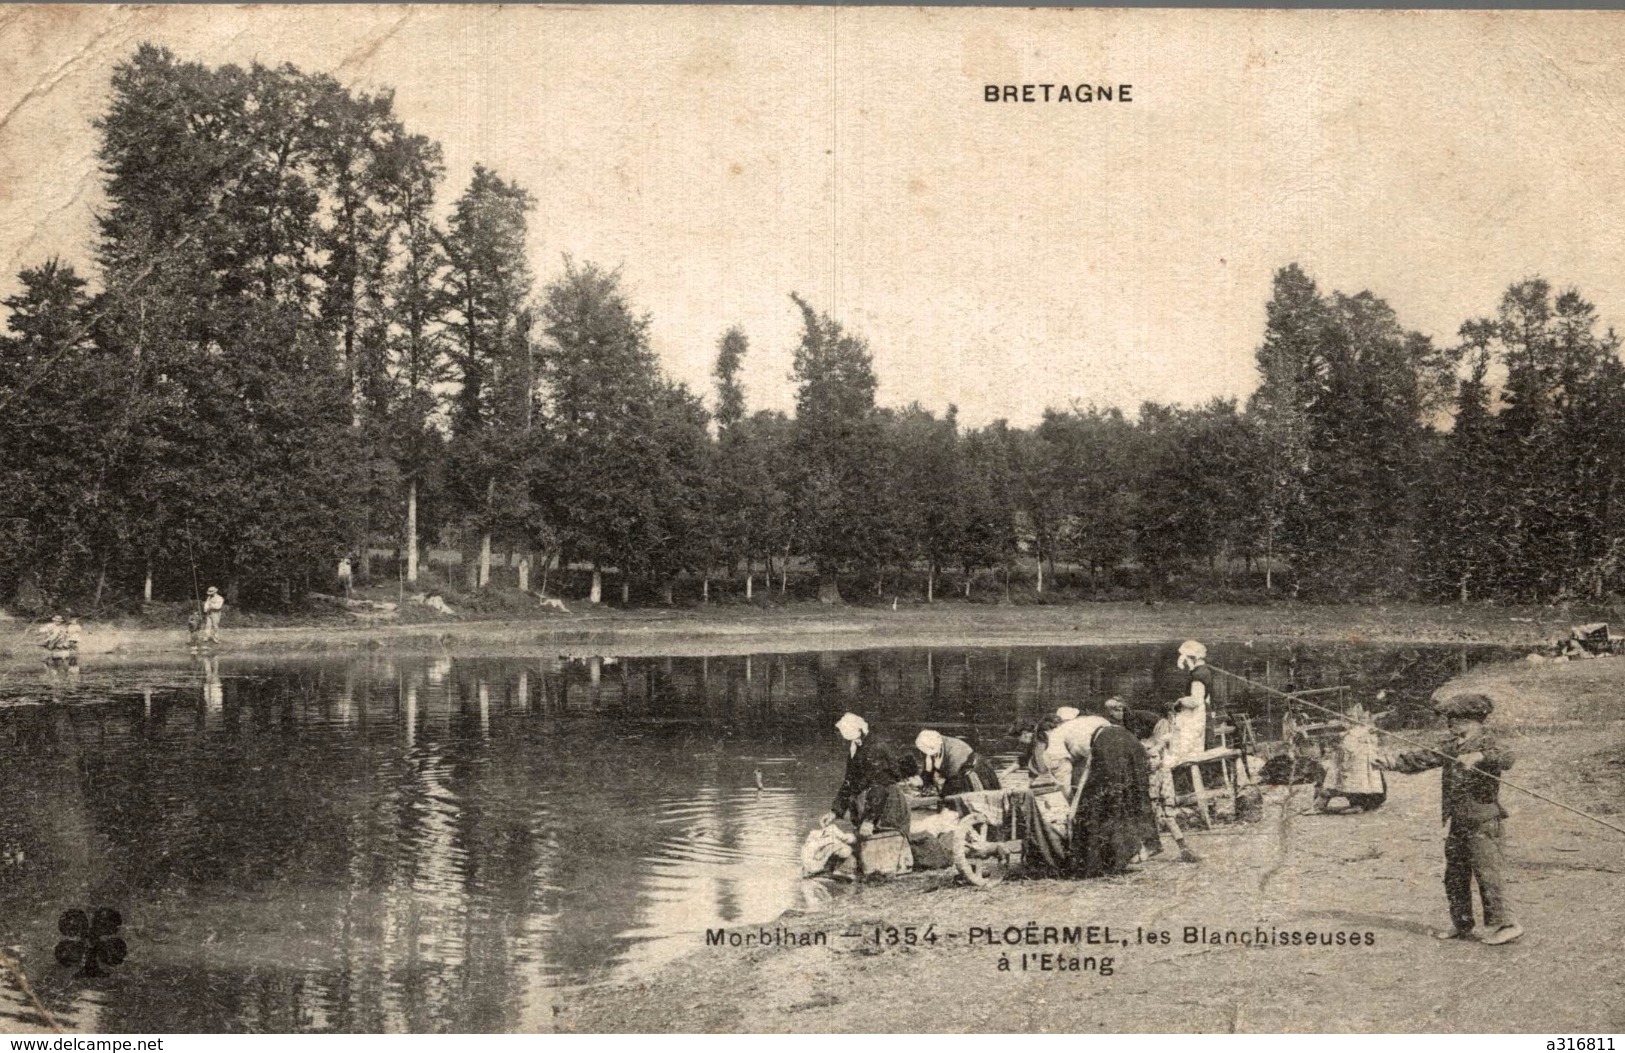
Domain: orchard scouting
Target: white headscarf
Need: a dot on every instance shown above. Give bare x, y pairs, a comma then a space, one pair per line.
1067, 713
852, 728
929, 743
1190, 654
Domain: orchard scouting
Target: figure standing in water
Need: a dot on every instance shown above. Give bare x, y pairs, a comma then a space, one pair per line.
52, 633
213, 604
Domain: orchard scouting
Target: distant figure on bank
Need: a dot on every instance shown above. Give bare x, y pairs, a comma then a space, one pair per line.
213, 604
52, 633
1472, 809
72, 634
952, 765
345, 575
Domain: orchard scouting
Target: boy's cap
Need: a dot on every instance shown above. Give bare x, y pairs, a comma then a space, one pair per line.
1473, 706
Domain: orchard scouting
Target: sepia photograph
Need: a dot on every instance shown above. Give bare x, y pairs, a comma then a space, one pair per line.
608, 519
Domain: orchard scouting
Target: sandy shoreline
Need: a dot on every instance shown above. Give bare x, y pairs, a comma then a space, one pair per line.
1375, 875
740, 630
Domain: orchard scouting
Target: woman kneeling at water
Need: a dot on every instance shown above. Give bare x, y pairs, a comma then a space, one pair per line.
952, 765
872, 800
869, 792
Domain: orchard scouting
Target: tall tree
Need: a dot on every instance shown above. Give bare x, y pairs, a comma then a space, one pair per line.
1093, 471
989, 500
1464, 543
731, 350
929, 486
418, 360
1290, 368
836, 432
62, 392
1345, 400
601, 388
728, 489
1035, 462
1554, 444
211, 248
1379, 387
379, 266
673, 464
487, 286
769, 475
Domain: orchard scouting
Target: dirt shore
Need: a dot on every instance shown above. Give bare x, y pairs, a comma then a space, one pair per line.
1373, 877
739, 629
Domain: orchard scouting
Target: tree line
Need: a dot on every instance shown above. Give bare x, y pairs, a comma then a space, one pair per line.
292, 352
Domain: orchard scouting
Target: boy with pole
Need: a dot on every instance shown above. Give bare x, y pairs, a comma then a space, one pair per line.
1472, 809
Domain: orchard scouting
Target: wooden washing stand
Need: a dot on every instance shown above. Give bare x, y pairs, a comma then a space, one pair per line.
1200, 795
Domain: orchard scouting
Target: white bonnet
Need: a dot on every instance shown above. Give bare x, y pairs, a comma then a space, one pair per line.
852, 727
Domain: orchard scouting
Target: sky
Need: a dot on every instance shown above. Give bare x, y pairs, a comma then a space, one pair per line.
1002, 257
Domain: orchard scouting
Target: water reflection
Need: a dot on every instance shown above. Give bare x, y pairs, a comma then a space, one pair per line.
444, 843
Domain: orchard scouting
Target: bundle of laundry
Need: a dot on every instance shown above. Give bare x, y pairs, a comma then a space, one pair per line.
825, 848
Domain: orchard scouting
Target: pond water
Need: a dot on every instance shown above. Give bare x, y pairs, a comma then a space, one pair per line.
449, 844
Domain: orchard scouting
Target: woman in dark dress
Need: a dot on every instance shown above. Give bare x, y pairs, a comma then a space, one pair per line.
872, 801
869, 789
1114, 818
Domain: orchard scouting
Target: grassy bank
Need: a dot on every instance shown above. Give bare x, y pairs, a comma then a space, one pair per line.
739, 628
1377, 874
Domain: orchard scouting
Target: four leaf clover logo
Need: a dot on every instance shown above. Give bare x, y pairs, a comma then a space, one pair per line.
93, 941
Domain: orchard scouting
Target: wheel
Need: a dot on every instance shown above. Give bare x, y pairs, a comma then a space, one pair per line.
975, 853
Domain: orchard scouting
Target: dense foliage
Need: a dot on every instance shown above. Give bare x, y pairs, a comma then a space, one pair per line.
296, 355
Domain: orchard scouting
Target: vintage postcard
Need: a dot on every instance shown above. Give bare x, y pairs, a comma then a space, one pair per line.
810, 519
